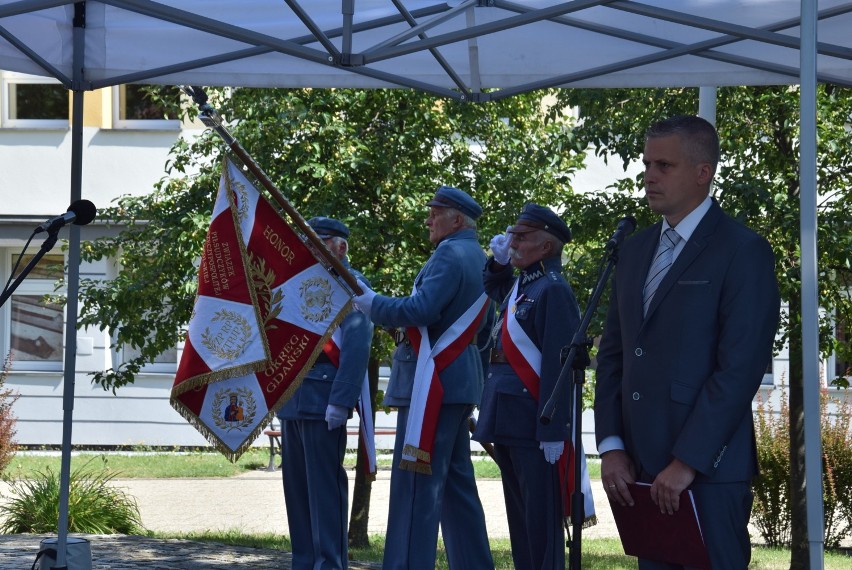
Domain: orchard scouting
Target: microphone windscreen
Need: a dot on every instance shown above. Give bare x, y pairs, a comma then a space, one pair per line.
84, 212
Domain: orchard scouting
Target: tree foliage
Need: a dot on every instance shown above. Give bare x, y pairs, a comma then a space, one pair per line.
370, 158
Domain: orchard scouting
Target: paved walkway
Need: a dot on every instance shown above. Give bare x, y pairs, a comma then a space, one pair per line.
250, 503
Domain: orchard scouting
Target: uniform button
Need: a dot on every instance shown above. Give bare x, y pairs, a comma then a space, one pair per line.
638, 352
325, 376
490, 374
636, 395
525, 390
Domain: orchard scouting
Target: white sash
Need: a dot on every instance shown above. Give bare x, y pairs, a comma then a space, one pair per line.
427, 391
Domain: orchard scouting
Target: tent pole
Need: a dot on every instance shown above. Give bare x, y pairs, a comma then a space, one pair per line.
810, 303
70, 368
707, 104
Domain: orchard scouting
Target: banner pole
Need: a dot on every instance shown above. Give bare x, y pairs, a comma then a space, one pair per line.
211, 118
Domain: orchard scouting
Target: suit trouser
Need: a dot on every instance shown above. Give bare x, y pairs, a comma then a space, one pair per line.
316, 493
420, 502
724, 510
533, 507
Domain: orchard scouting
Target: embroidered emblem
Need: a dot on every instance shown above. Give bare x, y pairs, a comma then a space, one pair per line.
239, 411
270, 299
532, 276
228, 336
316, 297
240, 199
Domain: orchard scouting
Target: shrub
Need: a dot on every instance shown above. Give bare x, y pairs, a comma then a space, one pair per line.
771, 514
94, 506
7, 419
837, 470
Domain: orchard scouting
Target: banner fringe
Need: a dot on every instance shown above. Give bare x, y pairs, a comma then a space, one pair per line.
415, 466
416, 452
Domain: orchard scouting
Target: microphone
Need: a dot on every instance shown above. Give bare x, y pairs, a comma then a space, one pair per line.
625, 227
79, 213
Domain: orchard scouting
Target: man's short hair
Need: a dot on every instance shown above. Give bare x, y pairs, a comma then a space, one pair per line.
700, 138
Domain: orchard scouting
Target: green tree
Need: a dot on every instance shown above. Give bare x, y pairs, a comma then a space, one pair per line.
369, 158
758, 183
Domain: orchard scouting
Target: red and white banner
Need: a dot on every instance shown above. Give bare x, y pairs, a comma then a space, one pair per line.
428, 392
235, 372
525, 359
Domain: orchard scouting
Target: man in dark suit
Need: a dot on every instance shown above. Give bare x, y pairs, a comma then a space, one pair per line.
688, 336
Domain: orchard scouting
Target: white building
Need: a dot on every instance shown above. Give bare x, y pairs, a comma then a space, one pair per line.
124, 154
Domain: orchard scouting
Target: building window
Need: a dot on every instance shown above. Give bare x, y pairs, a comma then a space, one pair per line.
146, 107
34, 325
768, 375
164, 362
33, 102
839, 365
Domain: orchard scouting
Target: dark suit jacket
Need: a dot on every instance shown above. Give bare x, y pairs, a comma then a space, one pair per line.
680, 381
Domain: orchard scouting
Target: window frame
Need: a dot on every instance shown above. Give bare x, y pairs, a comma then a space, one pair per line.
831, 361
137, 124
7, 80
30, 286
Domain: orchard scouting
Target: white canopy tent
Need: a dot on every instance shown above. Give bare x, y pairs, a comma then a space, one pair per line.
455, 49
451, 49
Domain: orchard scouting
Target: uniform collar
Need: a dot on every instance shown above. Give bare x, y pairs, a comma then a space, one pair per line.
539, 269
464, 233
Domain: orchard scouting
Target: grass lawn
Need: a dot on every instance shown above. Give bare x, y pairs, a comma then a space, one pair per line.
138, 465
598, 553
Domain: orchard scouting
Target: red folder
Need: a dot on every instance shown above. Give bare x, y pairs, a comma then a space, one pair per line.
647, 533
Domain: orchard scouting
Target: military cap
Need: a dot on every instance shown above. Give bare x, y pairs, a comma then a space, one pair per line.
534, 217
449, 197
328, 227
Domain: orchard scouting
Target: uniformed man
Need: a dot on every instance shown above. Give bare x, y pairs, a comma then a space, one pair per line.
436, 380
538, 317
313, 431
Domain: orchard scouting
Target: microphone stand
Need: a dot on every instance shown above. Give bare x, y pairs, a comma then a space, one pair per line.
577, 359
49, 242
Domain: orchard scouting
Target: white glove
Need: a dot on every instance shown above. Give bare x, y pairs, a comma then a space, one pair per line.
500, 247
552, 450
364, 301
336, 416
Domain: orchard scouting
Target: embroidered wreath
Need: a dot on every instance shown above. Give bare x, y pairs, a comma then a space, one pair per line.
242, 335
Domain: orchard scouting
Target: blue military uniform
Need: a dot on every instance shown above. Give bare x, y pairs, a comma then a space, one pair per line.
547, 311
315, 483
447, 286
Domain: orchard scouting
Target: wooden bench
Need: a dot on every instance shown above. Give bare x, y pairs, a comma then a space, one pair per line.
274, 435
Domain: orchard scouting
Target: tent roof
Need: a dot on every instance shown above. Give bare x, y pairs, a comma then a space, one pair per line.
452, 49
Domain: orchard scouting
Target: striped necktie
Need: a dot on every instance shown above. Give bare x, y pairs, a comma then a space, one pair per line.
660, 267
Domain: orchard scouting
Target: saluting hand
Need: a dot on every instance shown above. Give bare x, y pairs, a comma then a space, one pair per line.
500, 247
